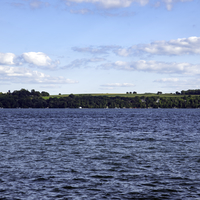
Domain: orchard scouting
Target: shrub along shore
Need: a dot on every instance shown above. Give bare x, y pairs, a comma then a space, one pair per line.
34, 99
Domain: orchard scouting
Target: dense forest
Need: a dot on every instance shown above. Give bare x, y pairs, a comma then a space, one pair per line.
34, 99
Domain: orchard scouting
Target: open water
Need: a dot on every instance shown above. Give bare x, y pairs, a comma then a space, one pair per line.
99, 154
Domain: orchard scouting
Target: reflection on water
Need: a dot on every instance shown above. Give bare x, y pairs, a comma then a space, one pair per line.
99, 154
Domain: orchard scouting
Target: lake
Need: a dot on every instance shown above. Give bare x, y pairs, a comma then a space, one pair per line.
99, 154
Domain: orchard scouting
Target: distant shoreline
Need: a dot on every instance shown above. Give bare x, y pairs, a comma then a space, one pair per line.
35, 99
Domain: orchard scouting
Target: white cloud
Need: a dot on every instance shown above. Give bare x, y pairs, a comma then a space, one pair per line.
39, 59
154, 66
110, 3
36, 59
24, 75
179, 46
7, 58
118, 85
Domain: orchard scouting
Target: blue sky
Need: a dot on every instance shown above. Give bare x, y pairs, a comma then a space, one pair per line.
99, 46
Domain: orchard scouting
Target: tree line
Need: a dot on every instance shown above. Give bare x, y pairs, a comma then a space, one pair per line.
34, 99
190, 92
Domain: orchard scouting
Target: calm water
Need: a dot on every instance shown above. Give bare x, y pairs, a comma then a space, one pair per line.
99, 154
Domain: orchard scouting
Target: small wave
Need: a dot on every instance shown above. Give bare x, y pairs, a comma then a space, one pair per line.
101, 176
69, 187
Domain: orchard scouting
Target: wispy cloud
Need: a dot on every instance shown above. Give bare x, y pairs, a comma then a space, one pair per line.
96, 49
83, 62
35, 4
167, 80
124, 52
176, 47
155, 67
100, 4
106, 49
81, 11
107, 4
105, 13
179, 46
24, 75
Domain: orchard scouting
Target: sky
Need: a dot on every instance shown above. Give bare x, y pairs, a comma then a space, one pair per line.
99, 46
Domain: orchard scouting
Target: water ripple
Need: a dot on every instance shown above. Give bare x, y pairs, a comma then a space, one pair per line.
99, 154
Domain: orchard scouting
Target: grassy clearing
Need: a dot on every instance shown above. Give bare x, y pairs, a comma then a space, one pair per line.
119, 95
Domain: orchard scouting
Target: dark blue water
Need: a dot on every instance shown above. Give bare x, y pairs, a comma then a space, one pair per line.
99, 154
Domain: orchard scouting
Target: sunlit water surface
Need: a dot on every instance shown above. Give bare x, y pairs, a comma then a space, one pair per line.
99, 154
